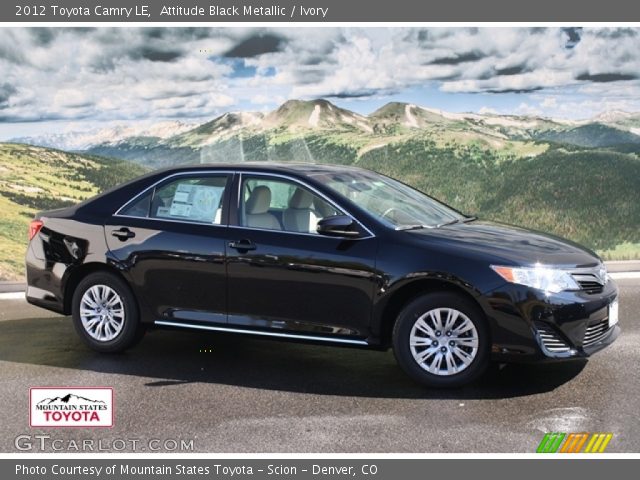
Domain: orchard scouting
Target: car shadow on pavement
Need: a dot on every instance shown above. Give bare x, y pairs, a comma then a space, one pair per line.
175, 357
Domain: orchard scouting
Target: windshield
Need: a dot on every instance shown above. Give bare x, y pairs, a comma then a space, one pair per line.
396, 204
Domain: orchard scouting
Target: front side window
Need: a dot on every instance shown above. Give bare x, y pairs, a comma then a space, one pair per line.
189, 198
276, 204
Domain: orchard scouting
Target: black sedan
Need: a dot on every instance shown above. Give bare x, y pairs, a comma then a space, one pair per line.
323, 254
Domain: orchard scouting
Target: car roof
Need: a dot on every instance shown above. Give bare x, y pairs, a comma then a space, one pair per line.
303, 169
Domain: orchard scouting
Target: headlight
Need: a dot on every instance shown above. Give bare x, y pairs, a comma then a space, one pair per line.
551, 280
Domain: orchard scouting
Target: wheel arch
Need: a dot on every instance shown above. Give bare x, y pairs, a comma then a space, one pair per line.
76, 276
409, 291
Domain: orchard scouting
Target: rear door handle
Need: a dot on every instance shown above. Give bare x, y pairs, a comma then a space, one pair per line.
123, 233
243, 245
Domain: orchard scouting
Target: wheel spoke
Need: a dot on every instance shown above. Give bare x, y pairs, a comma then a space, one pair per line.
419, 341
114, 300
452, 316
434, 366
451, 363
89, 301
464, 327
425, 328
435, 316
464, 356
467, 342
92, 296
424, 355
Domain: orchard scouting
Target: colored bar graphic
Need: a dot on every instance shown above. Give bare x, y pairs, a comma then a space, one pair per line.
558, 442
606, 441
581, 442
550, 442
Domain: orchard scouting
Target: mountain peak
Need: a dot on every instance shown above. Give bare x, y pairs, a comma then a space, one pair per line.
613, 116
318, 113
390, 109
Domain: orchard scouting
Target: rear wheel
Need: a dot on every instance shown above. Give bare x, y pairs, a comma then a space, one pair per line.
105, 313
441, 340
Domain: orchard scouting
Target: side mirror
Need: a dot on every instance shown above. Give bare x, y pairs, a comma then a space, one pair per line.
338, 226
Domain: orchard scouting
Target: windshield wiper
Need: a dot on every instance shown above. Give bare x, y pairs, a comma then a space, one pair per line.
456, 220
451, 222
410, 227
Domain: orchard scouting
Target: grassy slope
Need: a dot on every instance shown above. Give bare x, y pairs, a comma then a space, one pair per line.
588, 195
33, 179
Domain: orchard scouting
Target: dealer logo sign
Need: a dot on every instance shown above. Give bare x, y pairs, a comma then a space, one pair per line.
71, 407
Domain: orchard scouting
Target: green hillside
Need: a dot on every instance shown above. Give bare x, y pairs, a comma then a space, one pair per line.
35, 178
587, 195
593, 135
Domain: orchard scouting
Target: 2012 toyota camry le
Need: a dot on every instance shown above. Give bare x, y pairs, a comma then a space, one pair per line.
318, 253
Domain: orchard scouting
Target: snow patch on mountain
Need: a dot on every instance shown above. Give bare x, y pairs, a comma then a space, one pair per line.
83, 140
411, 119
314, 118
347, 119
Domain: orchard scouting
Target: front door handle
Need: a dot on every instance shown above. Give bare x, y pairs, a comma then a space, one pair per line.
123, 233
243, 245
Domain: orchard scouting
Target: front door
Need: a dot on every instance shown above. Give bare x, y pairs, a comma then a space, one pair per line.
283, 275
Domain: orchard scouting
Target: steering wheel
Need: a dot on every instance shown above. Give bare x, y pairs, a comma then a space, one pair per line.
388, 211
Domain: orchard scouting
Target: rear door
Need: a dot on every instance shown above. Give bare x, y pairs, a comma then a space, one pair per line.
170, 242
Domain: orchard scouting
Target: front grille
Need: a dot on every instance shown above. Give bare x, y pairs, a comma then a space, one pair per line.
590, 280
591, 287
550, 339
596, 332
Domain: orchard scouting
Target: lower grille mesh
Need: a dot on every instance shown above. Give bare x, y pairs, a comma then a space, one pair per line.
596, 332
550, 339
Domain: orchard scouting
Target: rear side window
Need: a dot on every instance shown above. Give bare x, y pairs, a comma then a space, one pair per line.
189, 198
138, 208
192, 199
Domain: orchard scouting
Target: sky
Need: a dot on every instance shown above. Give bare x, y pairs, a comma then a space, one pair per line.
55, 80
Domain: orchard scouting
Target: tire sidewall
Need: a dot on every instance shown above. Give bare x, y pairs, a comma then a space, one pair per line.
131, 328
406, 321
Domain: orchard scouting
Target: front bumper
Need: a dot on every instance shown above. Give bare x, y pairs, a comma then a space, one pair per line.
529, 325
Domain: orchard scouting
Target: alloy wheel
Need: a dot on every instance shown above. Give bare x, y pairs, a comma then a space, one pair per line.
444, 341
102, 313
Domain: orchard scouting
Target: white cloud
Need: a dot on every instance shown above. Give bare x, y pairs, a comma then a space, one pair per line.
487, 111
130, 73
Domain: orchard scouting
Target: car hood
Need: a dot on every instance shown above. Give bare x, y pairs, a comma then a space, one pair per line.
509, 245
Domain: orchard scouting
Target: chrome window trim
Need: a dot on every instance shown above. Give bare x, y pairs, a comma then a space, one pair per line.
261, 332
154, 185
187, 222
307, 186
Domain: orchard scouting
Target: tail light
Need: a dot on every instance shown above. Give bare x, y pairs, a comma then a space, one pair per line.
34, 228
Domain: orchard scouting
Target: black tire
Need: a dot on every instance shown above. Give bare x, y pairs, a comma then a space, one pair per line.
132, 329
402, 333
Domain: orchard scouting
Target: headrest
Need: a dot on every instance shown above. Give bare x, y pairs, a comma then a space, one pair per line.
301, 199
259, 200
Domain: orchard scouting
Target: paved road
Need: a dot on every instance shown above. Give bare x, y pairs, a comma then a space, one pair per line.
251, 395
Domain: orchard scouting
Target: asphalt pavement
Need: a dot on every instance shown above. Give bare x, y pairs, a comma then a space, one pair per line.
239, 394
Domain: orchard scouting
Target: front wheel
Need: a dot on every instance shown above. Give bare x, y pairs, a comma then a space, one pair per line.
441, 340
105, 313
